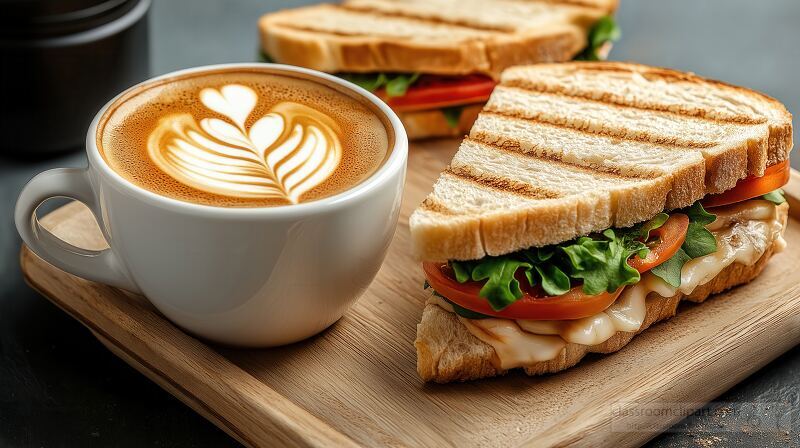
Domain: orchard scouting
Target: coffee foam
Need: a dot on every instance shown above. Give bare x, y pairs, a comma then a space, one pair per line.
127, 126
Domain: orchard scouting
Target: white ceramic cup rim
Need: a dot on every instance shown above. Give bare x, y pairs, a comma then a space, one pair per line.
395, 162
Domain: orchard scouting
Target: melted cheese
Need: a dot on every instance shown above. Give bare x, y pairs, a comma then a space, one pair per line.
625, 314
743, 232
753, 210
514, 347
629, 310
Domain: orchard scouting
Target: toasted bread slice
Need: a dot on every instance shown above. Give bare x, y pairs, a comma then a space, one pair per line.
447, 351
452, 37
562, 150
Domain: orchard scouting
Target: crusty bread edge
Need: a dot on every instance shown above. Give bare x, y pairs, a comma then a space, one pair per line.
447, 351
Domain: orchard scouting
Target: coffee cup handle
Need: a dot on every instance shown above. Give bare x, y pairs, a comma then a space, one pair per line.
102, 266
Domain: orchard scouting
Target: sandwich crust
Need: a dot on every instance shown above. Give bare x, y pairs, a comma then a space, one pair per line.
604, 145
438, 37
447, 351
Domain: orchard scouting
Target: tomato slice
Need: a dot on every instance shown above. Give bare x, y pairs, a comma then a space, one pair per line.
671, 236
572, 305
436, 91
774, 177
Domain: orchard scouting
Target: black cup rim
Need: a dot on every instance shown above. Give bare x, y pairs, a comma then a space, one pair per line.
27, 25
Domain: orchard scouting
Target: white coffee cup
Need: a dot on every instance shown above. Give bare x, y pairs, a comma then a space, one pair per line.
241, 276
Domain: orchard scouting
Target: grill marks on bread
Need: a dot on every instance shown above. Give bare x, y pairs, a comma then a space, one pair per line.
610, 147
425, 12
498, 182
451, 37
584, 150
736, 109
438, 19
621, 94
509, 16
682, 93
614, 120
343, 21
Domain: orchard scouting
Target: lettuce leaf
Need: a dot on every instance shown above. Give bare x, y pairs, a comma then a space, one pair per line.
698, 214
603, 264
776, 197
699, 242
645, 229
367, 81
501, 288
452, 115
554, 281
264, 57
396, 84
670, 270
603, 31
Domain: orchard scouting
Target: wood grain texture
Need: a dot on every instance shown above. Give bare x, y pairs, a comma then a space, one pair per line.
356, 383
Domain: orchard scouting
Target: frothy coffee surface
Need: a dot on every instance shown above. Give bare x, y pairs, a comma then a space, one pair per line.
242, 138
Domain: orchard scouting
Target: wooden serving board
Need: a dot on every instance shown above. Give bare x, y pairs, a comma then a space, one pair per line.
356, 383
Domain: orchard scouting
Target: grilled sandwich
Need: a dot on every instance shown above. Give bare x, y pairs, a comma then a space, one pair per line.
435, 62
587, 201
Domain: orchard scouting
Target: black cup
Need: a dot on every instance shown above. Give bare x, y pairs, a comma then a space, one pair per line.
60, 61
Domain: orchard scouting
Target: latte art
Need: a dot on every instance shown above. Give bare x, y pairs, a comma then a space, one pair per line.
243, 138
283, 154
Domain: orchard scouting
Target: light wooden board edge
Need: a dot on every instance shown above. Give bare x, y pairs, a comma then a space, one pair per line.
146, 369
286, 423
173, 389
314, 432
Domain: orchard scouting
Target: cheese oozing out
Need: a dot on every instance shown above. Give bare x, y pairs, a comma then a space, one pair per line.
743, 232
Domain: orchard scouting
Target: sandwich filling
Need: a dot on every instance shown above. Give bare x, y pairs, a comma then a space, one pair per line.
530, 304
451, 95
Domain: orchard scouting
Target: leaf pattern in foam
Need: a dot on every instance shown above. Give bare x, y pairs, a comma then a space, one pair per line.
284, 154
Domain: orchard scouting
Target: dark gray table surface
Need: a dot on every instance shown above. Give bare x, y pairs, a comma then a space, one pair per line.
60, 387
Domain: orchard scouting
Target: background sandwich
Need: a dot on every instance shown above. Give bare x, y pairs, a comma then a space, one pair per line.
435, 62
588, 200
